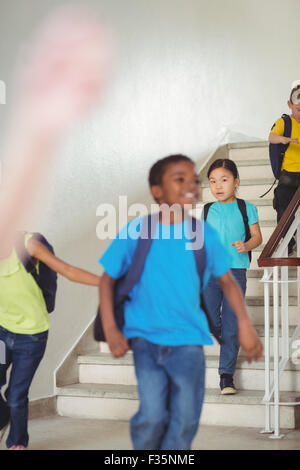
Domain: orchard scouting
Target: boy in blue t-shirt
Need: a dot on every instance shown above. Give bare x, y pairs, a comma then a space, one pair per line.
164, 323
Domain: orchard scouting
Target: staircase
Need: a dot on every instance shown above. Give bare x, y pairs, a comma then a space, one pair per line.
92, 384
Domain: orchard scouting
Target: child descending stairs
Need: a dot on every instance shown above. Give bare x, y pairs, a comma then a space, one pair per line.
92, 384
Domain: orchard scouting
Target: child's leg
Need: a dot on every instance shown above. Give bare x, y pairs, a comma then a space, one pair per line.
5, 361
213, 297
149, 424
229, 350
27, 352
185, 366
283, 194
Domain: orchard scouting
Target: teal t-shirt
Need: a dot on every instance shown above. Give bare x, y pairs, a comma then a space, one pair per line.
227, 220
165, 303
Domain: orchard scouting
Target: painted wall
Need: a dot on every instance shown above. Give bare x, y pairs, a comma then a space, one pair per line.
186, 71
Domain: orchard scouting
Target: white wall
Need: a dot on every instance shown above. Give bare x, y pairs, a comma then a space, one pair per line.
185, 71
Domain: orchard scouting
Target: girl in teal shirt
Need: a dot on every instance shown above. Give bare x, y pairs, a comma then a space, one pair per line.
225, 217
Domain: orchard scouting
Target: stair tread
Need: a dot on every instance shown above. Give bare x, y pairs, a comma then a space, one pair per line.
130, 392
258, 162
258, 301
212, 361
248, 145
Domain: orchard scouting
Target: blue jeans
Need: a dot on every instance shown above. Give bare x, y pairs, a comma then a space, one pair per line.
225, 320
24, 353
171, 383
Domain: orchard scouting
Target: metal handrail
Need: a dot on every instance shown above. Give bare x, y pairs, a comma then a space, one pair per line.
265, 259
274, 259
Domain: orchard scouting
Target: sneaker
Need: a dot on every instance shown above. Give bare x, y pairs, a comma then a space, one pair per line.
18, 447
226, 385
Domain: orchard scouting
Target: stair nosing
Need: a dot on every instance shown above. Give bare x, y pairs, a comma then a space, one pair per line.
212, 395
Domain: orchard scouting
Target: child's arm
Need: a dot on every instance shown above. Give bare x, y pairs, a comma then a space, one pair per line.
248, 338
40, 252
116, 341
280, 139
253, 242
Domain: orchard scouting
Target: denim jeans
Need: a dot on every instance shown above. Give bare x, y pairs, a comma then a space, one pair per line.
24, 353
171, 383
225, 320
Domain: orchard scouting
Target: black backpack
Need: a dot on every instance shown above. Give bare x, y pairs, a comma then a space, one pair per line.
243, 209
124, 285
277, 151
45, 277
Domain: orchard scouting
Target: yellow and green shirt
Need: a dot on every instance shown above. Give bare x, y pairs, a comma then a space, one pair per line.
22, 306
291, 161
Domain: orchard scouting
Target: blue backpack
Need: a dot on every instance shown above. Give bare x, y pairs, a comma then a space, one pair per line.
277, 151
45, 277
124, 285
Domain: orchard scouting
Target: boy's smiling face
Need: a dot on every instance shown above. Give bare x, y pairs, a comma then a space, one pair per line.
180, 185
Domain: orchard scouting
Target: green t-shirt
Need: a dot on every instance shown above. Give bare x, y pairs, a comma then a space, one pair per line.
22, 306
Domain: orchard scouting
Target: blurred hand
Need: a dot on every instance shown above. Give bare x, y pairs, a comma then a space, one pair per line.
64, 72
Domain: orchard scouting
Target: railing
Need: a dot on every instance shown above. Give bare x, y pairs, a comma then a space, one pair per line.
274, 258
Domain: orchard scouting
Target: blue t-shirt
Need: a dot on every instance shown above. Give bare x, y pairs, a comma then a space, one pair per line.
165, 303
227, 220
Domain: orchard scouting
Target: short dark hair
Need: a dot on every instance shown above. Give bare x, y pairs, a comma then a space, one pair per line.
158, 169
224, 163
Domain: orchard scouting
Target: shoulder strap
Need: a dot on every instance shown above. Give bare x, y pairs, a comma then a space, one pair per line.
23, 255
287, 126
243, 209
206, 209
130, 279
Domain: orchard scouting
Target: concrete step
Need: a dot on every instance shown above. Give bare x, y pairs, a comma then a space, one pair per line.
103, 368
107, 401
251, 169
247, 189
213, 350
245, 151
256, 288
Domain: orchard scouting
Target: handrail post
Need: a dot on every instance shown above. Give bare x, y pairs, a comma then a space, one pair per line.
276, 434
267, 428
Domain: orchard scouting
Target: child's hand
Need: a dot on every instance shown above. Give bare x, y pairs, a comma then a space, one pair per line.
249, 341
287, 140
240, 246
117, 343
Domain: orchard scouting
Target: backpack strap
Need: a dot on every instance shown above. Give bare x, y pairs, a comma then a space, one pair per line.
287, 127
243, 209
287, 132
130, 279
206, 209
24, 256
200, 258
